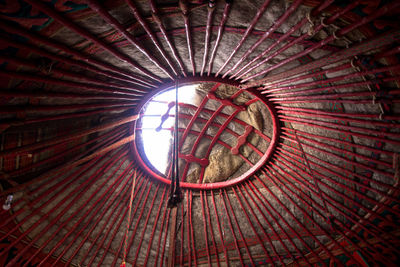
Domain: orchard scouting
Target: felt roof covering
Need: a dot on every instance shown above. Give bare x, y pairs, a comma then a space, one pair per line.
297, 123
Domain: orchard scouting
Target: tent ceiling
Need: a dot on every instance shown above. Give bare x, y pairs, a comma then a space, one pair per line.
74, 75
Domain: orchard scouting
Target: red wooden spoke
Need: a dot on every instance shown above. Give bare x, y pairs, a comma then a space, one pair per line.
219, 35
295, 41
85, 61
318, 186
253, 23
86, 34
210, 13
341, 32
205, 227
159, 23
267, 33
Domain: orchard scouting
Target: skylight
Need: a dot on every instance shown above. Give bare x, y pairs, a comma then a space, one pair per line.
157, 144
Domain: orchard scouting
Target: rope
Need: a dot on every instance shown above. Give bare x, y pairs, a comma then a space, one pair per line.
175, 196
335, 36
174, 149
323, 22
311, 28
128, 221
176, 138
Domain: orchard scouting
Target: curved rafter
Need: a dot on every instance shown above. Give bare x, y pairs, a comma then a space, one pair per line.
328, 194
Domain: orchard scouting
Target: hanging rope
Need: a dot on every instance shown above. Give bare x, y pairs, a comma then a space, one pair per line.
123, 264
176, 195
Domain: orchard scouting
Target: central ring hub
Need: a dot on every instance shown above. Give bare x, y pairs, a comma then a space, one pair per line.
225, 133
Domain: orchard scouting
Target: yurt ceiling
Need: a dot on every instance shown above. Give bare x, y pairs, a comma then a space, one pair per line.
199, 133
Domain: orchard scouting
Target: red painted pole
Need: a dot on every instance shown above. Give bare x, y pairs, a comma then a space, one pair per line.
93, 209
340, 170
216, 252
343, 101
164, 218
248, 196
182, 226
231, 228
190, 194
59, 170
112, 136
159, 23
183, 4
332, 202
139, 217
294, 218
219, 35
254, 189
260, 242
285, 163
152, 36
343, 178
205, 226
221, 234
74, 75
342, 151
337, 114
238, 226
64, 138
120, 228
378, 13
363, 47
48, 94
188, 214
46, 108
343, 159
122, 203
57, 188
160, 205
246, 68
146, 222
329, 81
84, 187
70, 84
318, 226
63, 116
117, 229
102, 12
281, 39
210, 12
267, 33
344, 129
339, 96
86, 34
86, 62
165, 239
311, 200
252, 24
295, 41
313, 75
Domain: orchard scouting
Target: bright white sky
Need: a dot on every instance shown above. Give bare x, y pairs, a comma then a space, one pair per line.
156, 144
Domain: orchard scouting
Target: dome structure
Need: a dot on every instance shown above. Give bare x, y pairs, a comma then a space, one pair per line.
279, 141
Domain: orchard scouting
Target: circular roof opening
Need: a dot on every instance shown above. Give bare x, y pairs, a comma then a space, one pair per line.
158, 118
225, 134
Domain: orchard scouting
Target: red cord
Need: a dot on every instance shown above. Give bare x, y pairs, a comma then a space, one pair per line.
128, 221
